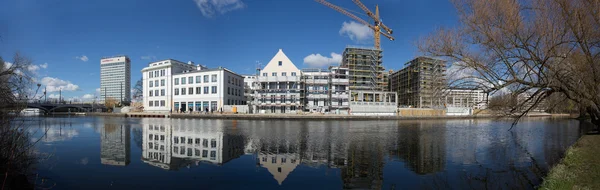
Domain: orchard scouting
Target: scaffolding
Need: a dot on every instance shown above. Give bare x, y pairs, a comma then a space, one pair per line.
366, 71
420, 83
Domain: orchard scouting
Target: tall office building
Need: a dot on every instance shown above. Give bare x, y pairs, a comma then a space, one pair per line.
115, 78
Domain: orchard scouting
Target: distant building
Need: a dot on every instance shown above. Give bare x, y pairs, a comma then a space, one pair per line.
115, 78
465, 98
207, 89
420, 83
174, 86
366, 72
158, 83
250, 86
279, 89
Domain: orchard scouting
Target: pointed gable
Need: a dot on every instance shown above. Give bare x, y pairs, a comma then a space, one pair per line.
280, 63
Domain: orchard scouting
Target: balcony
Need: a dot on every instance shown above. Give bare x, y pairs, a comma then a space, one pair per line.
339, 81
316, 81
278, 78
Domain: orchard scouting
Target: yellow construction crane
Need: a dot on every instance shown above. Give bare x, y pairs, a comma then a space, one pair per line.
378, 27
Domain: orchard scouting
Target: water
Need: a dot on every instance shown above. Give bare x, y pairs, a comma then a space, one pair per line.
149, 153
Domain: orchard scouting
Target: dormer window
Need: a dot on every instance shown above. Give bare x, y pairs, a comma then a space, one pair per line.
280, 63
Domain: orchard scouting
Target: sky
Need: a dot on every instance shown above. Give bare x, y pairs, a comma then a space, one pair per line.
67, 38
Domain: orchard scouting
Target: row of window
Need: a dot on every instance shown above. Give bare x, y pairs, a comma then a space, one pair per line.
190, 90
190, 80
196, 141
235, 81
156, 103
155, 83
274, 74
235, 92
177, 150
157, 73
155, 93
274, 160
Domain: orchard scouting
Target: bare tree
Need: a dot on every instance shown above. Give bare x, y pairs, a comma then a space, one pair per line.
534, 47
138, 90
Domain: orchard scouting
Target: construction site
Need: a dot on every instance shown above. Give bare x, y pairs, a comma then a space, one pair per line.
421, 83
365, 69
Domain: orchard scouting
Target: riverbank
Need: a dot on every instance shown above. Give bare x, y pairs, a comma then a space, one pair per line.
580, 169
306, 116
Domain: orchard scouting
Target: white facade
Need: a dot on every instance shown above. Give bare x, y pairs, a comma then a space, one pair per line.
115, 78
280, 86
466, 98
340, 89
207, 89
316, 88
158, 85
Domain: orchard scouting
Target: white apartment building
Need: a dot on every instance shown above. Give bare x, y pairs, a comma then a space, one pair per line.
280, 86
316, 88
158, 86
250, 85
339, 90
207, 90
465, 98
115, 78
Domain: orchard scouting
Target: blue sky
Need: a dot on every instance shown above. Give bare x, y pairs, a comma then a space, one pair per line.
67, 38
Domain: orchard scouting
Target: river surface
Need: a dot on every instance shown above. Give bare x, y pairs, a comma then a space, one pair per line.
158, 153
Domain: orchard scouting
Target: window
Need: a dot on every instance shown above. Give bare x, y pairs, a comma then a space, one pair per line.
196, 152
227, 90
190, 140
205, 78
177, 81
274, 74
204, 153
213, 154
198, 79
156, 83
182, 80
155, 92
264, 74
162, 72
151, 84
294, 74
205, 143
182, 91
190, 90
214, 78
156, 73
151, 93
228, 79
213, 143
162, 92
280, 63
214, 89
156, 104
177, 91
284, 74
151, 103
162, 104
176, 140
197, 141
151, 74
198, 90
162, 82
206, 90
190, 80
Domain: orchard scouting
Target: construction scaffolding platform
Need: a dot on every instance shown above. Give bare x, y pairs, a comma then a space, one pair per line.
365, 69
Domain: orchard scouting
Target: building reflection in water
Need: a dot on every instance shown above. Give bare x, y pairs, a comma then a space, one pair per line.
422, 145
173, 144
115, 145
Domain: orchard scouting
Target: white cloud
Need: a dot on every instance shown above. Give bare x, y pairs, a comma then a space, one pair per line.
317, 60
44, 66
97, 90
56, 96
7, 65
211, 7
83, 58
55, 84
87, 96
148, 57
33, 68
356, 31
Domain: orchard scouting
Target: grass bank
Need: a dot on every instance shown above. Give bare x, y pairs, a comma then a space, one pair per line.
580, 169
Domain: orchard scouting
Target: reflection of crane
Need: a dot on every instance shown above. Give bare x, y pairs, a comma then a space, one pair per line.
376, 27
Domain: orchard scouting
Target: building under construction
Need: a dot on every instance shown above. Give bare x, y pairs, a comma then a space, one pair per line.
365, 70
420, 84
